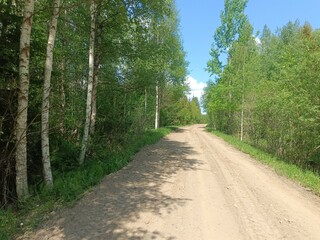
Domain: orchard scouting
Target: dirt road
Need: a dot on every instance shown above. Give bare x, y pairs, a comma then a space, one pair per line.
190, 185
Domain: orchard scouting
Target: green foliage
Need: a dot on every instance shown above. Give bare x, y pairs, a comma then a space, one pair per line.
306, 178
137, 47
9, 40
232, 20
103, 160
268, 93
176, 108
70, 186
65, 156
10, 24
8, 223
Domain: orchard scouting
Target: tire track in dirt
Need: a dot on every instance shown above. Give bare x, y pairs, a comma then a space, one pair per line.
267, 206
191, 185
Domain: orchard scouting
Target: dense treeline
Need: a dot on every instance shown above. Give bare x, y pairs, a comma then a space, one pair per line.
91, 72
268, 90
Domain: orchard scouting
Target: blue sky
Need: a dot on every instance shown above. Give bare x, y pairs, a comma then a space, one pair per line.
200, 18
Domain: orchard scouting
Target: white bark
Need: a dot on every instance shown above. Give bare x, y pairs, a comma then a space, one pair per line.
62, 87
85, 137
242, 119
145, 106
23, 96
62, 97
45, 147
242, 97
94, 103
156, 125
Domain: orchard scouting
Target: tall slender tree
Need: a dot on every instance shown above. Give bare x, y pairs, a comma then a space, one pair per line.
53, 24
157, 113
232, 18
85, 137
21, 127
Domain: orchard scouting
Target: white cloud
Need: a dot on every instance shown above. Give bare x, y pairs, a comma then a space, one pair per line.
196, 87
258, 41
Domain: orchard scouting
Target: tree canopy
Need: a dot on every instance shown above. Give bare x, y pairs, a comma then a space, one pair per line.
134, 46
268, 91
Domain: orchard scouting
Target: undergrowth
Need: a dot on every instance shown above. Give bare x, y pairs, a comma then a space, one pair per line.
306, 178
71, 185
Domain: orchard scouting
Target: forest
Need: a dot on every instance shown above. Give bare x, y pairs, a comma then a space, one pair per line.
266, 87
80, 81
85, 84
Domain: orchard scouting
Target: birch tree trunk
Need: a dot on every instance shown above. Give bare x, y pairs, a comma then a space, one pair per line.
45, 147
242, 119
85, 138
23, 96
242, 97
62, 98
156, 125
97, 58
145, 107
62, 87
94, 102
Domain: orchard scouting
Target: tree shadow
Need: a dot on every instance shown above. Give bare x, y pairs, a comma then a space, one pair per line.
105, 212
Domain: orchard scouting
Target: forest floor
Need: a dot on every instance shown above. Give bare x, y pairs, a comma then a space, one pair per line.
190, 185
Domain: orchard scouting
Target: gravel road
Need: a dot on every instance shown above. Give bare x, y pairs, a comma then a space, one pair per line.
190, 185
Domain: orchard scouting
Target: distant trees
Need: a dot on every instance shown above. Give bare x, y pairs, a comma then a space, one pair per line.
275, 91
177, 109
134, 46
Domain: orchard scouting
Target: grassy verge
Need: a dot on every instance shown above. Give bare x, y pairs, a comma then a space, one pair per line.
306, 178
70, 187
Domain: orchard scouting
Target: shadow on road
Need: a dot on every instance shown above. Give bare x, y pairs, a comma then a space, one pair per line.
120, 199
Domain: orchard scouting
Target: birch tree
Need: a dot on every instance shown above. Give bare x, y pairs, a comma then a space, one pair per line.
46, 95
156, 124
97, 59
23, 96
243, 53
232, 20
85, 137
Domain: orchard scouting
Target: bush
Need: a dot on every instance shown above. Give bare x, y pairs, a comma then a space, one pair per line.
64, 157
71, 181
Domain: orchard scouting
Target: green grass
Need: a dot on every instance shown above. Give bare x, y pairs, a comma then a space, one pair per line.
8, 223
70, 187
306, 178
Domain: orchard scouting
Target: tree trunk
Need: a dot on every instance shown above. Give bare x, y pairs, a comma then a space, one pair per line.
23, 96
94, 102
62, 87
156, 125
145, 106
230, 117
47, 174
85, 137
242, 119
97, 58
62, 98
242, 97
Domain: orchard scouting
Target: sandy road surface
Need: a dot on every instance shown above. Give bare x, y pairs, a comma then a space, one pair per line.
190, 185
